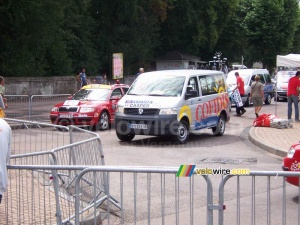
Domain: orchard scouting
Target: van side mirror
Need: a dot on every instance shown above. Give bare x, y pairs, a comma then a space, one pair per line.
190, 93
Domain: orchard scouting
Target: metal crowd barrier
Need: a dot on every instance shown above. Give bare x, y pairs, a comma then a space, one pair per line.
35, 143
34, 107
57, 175
41, 105
18, 106
148, 195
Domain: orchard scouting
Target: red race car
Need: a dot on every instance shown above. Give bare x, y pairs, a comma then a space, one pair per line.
292, 163
93, 105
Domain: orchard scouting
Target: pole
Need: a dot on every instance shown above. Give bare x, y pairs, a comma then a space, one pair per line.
242, 62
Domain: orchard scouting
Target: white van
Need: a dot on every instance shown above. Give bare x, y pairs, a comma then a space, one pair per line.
173, 102
248, 77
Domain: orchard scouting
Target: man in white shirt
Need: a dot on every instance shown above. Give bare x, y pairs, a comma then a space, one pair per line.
5, 141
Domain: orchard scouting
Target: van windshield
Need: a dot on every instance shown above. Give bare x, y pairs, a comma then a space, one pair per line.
231, 79
163, 85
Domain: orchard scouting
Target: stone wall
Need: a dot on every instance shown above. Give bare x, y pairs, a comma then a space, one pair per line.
47, 85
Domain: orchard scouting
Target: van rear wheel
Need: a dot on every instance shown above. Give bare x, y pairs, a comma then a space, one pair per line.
268, 99
183, 132
219, 130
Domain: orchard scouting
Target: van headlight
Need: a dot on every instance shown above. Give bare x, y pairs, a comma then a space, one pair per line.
120, 109
86, 110
168, 111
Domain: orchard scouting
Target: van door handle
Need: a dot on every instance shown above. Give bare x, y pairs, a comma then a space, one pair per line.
199, 100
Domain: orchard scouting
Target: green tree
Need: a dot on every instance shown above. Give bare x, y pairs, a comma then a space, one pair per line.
130, 27
270, 26
32, 41
195, 26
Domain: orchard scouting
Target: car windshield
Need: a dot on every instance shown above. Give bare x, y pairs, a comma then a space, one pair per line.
91, 94
163, 85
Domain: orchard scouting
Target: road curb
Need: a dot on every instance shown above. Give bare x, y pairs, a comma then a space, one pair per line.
261, 143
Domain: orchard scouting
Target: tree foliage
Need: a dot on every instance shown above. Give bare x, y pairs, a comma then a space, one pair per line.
58, 37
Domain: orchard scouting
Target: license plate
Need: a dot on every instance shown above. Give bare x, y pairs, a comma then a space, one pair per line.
138, 126
65, 115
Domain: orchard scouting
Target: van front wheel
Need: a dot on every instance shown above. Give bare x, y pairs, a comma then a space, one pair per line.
183, 132
219, 130
125, 137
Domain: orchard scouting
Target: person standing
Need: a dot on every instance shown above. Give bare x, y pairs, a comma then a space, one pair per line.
83, 78
292, 96
5, 142
141, 70
104, 78
2, 92
257, 94
240, 86
78, 80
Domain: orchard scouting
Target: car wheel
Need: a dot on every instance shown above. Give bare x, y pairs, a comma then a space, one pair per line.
183, 132
125, 137
103, 123
247, 103
219, 130
268, 100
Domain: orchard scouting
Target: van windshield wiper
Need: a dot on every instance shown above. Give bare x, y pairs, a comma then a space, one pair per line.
157, 95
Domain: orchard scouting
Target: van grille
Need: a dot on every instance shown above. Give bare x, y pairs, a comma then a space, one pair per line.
135, 111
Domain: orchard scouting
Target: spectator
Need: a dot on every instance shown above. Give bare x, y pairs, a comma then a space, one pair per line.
257, 94
104, 78
141, 70
78, 80
2, 92
83, 78
240, 86
5, 141
292, 96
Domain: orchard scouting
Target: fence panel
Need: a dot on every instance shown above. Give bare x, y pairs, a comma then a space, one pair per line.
29, 136
41, 105
18, 106
31, 197
248, 204
147, 196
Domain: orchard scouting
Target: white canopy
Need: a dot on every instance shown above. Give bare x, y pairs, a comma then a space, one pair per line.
291, 60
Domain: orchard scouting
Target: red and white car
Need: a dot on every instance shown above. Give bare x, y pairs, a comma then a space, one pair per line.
93, 105
292, 163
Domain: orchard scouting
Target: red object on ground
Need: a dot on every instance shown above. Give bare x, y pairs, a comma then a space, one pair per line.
264, 120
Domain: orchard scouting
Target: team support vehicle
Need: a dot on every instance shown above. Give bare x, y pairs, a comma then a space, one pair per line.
93, 105
281, 84
292, 163
248, 76
173, 102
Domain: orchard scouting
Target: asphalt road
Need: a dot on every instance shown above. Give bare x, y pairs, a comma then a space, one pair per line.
202, 148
